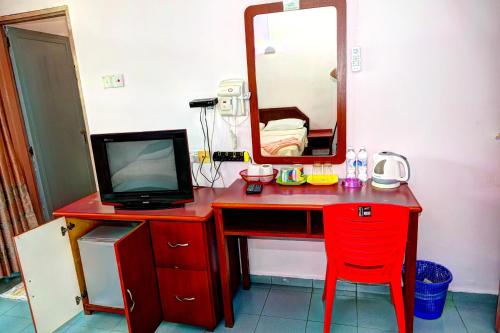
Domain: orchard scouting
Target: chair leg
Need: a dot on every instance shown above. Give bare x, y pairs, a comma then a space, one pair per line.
323, 297
330, 298
397, 297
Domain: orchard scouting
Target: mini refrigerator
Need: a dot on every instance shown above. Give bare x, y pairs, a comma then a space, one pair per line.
99, 265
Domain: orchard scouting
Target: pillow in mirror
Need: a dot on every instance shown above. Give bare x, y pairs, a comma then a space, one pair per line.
284, 124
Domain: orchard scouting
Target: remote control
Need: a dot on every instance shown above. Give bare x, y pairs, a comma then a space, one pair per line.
254, 188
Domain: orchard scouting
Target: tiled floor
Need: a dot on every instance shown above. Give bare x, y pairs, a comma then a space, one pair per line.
289, 309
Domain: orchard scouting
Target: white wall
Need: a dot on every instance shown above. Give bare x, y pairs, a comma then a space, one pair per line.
428, 90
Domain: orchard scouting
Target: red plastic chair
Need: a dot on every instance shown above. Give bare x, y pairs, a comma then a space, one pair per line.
365, 242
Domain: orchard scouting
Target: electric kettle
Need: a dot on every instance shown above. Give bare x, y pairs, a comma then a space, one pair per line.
387, 170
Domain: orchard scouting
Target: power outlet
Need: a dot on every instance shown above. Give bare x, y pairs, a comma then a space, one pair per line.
199, 156
231, 156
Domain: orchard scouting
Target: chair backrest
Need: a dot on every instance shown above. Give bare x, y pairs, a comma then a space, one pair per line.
365, 242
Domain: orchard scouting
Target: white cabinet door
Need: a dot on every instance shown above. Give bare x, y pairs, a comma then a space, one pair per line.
49, 275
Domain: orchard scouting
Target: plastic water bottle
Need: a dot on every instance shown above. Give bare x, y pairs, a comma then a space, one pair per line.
363, 164
350, 163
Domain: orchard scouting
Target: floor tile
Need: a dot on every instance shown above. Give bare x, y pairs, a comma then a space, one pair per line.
449, 322
288, 281
13, 324
100, 320
376, 313
342, 286
344, 310
243, 323
6, 304
316, 327
346, 293
280, 325
21, 309
373, 330
372, 291
287, 304
319, 284
178, 328
261, 285
84, 329
250, 301
478, 317
292, 288
264, 279
122, 326
459, 297
29, 329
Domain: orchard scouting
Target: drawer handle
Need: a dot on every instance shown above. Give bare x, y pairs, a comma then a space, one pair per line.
185, 299
132, 300
174, 245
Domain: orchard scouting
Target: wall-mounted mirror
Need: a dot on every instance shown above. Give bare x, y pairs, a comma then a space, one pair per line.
296, 69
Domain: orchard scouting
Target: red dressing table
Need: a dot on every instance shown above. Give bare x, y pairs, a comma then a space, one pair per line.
295, 212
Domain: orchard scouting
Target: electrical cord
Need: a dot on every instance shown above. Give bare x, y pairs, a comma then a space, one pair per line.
207, 147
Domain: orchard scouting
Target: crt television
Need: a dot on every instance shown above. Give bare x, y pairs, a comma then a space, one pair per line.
143, 170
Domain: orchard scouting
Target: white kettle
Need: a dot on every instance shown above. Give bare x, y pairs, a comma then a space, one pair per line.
387, 170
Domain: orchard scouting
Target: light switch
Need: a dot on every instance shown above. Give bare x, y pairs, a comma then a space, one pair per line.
107, 82
356, 59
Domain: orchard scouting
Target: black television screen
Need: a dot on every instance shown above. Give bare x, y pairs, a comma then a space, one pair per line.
143, 169
137, 166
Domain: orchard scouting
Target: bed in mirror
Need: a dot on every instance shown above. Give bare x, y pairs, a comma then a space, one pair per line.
296, 69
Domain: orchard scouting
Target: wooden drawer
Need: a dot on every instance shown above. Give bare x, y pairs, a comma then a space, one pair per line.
186, 297
179, 245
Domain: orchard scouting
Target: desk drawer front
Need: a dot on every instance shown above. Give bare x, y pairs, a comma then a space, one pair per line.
179, 245
185, 297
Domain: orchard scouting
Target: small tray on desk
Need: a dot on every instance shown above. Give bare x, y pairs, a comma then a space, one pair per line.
323, 179
300, 182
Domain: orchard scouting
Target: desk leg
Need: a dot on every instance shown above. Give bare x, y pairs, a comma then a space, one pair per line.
245, 264
225, 272
410, 271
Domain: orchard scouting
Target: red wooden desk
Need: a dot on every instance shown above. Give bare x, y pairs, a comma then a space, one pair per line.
296, 212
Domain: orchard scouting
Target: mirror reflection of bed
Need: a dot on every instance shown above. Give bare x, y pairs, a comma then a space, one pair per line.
286, 132
296, 74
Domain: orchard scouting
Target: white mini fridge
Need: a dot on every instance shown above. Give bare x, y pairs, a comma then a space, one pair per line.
99, 265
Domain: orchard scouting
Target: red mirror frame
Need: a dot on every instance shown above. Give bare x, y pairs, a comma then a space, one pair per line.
277, 7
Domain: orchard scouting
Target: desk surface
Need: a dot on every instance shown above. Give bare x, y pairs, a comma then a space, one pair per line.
311, 197
91, 207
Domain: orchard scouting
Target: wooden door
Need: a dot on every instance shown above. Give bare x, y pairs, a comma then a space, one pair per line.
134, 256
53, 117
49, 275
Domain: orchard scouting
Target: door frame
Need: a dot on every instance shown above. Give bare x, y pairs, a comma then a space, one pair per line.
9, 96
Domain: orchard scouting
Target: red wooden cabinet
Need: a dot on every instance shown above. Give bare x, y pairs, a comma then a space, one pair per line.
53, 274
179, 244
187, 272
138, 280
185, 297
